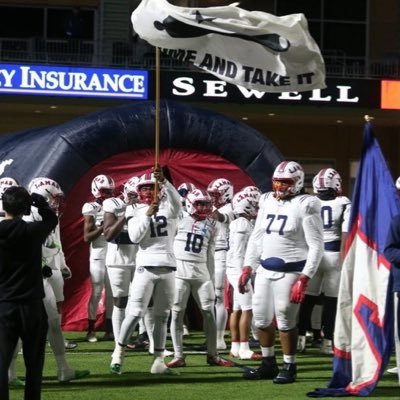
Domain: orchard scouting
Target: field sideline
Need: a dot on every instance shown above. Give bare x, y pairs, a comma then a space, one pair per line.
197, 381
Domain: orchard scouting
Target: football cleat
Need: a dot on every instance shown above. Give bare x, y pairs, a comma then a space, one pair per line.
16, 382
159, 368
287, 374
393, 370
116, 369
267, 370
70, 345
91, 337
326, 347
72, 374
219, 361
301, 344
177, 362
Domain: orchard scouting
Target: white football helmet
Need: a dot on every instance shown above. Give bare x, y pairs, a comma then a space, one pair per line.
398, 183
103, 187
147, 196
327, 178
5, 183
49, 189
221, 191
253, 191
199, 204
245, 203
129, 191
184, 188
287, 179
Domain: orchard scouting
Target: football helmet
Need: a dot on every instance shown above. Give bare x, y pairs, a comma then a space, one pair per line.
184, 188
397, 183
326, 179
287, 179
103, 187
253, 191
245, 203
221, 191
199, 204
5, 183
145, 188
129, 191
50, 190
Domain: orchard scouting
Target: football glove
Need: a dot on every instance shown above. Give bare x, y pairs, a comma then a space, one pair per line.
298, 291
46, 271
66, 272
39, 201
244, 279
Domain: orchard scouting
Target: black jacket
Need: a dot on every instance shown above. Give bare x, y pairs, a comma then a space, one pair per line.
21, 256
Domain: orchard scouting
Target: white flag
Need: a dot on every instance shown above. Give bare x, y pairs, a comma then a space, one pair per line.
252, 49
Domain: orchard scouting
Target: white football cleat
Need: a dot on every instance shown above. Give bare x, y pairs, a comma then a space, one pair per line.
301, 344
326, 347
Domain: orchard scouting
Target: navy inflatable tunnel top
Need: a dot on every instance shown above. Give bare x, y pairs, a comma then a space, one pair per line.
195, 145
66, 152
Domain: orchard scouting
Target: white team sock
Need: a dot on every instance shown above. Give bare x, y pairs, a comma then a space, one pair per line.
176, 329
118, 316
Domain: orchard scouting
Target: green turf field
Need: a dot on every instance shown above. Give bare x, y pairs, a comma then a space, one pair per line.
197, 381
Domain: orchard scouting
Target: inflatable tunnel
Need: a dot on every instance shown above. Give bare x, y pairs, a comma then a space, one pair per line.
195, 144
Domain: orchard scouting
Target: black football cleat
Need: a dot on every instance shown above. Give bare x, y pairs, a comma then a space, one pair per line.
287, 374
267, 370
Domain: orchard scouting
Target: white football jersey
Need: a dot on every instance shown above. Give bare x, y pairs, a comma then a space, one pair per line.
239, 233
120, 251
193, 239
155, 235
287, 231
98, 247
335, 215
2, 213
221, 240
52, 253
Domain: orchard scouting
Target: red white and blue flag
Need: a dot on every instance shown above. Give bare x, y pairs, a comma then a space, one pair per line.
364, 323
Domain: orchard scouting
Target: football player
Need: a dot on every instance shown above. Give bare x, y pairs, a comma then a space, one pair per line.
221, 192
55, 270
152, 227
287, 242
335, 213
121, 252
194, 248
245, 206
102, 188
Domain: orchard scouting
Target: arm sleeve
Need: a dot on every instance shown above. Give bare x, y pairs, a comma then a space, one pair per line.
210, 259
254, 246
137, 227
346, 215
314, 235
44, 227
174, 199
392, 248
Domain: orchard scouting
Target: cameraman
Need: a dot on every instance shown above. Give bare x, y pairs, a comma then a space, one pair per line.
22, 312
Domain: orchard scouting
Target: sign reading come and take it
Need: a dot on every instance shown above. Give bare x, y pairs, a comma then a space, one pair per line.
68, 81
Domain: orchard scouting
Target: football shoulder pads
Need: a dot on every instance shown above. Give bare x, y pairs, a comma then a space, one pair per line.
113, 205
91, 208
310, 204
240, 225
